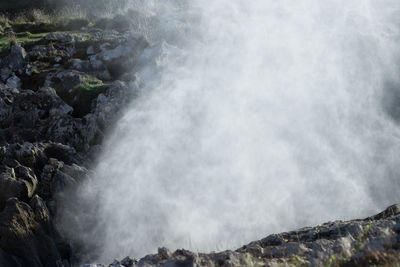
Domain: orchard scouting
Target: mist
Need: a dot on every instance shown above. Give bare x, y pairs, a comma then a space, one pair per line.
253, 117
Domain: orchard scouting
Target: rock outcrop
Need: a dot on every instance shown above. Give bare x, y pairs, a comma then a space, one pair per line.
59, 93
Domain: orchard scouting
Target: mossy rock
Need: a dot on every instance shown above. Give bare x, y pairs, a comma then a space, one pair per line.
24, 39
84, 94
78, 90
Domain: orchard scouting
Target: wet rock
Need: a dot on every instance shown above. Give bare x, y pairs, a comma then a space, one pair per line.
127, 262
115, 264
15, 61
164, 253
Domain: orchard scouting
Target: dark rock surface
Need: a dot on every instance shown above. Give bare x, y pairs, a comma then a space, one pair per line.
58, 97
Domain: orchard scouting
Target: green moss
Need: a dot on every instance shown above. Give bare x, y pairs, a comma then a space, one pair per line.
24, 39
297, 261
83, 96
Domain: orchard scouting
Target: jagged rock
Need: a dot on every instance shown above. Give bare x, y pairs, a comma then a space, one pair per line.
61, 152
14, 62
27, 111
29, 154
108, 104
77, 89
388, 212
164, 253
16, 59
14, 82
49, 53
54, 111
24, 237
127, 262
28, 177
10, 187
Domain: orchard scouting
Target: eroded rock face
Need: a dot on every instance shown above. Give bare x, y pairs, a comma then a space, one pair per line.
55, 108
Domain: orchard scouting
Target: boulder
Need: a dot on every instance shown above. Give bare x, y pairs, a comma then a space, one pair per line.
77, 89
11, 187
26, 235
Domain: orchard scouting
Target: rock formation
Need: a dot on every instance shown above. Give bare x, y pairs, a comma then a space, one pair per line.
59, 93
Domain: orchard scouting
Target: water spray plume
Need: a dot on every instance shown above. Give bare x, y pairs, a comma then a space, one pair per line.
255, 117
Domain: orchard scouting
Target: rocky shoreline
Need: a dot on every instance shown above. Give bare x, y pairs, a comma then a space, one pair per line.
373, 241
61, 90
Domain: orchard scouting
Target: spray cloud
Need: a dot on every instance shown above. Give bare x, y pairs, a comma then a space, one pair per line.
256, 117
